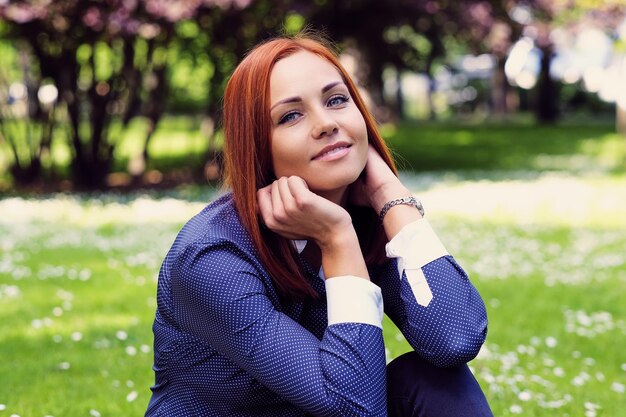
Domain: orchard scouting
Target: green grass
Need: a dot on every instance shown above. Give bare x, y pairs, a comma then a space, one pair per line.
489, 146
77, 298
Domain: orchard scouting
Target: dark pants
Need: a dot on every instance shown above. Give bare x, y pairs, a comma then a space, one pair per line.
416, 388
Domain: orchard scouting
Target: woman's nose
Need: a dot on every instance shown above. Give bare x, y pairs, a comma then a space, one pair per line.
325, 125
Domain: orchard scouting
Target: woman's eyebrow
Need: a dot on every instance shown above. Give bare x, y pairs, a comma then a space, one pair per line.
296, 99
331, 85
286, 100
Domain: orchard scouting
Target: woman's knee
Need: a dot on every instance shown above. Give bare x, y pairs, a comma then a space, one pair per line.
416, 385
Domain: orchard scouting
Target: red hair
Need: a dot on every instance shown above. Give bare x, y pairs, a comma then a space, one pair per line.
248, 161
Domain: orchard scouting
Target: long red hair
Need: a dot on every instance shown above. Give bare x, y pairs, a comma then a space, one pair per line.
248, 161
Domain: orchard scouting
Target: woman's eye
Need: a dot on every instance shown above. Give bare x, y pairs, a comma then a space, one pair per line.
289, 117
337, 100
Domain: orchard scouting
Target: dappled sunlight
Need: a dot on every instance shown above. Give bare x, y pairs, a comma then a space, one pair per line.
92, 211
551, 199
555, 199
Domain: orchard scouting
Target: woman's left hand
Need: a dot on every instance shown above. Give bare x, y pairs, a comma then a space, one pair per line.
377, 184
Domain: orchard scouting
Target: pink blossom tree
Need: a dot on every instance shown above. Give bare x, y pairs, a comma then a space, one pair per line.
107, 61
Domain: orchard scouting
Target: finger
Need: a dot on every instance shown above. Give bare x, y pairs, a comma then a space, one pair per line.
264, 200
285, 189
275, 194
278, 208
290, 199
299, 189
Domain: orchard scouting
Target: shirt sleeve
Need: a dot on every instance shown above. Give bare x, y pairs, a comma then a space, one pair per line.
416, 246
219, 297
430, 297
352, 299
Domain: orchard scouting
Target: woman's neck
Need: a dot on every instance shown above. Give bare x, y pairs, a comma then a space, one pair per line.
339, 196
312, 255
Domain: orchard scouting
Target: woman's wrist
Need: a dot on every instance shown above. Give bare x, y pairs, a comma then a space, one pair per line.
338, 238
341, 254
397, 215
387, 193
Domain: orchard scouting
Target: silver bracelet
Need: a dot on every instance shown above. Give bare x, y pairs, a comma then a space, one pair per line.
408, 201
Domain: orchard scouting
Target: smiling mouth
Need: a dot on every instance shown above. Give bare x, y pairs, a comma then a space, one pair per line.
329, 153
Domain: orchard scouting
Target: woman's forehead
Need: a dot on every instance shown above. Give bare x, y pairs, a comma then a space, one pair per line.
300, 70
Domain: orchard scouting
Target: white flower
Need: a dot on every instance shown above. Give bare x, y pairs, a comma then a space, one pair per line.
617, 387
132, 396
551, 341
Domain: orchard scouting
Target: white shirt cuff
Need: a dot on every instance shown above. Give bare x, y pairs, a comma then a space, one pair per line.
352, 299
415, 246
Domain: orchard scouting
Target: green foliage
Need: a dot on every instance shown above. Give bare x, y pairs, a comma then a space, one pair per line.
294, 22
10, 70
405, 33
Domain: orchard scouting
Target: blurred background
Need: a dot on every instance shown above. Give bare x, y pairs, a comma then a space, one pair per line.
101, 94
507, 118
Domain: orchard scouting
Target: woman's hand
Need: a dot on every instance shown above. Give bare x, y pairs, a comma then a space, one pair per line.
289, 208
377, 184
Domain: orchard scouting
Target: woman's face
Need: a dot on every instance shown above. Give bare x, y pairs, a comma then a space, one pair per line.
318, 133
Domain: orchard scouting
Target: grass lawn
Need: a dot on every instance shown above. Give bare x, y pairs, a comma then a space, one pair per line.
571, 146
546, 251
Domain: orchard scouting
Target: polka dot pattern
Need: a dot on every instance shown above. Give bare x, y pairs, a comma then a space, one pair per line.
451, 330
226, 345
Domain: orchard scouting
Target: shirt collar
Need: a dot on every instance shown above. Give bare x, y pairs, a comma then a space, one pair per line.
299, 244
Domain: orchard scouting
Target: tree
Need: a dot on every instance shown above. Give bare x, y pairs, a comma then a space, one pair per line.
407, 34
546, 16
610, 15
26, 123
108, 61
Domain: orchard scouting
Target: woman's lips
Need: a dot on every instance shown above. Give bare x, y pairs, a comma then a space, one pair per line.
333, 152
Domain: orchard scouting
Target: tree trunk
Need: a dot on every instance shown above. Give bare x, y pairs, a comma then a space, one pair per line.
499, 88
399, 96
432, 114
546, 110
620, 119
156, 108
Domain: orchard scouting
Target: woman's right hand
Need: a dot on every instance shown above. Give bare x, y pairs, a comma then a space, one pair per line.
289, 208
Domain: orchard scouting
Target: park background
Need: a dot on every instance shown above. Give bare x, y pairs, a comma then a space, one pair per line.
507, 118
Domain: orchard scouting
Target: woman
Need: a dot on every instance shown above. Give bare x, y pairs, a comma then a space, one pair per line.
270, 300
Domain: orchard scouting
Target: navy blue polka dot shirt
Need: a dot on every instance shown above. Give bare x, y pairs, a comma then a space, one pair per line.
226, 345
